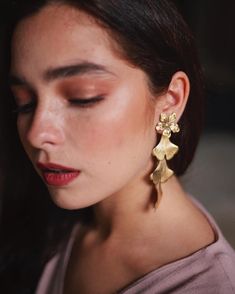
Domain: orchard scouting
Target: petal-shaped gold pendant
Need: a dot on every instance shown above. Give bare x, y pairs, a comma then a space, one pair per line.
162, 173
156, 174
165, 148
166, 171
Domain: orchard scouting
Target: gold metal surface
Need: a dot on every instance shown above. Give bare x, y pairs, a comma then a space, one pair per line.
165, 150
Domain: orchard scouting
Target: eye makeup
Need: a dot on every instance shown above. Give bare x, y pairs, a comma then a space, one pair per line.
86, 102
24, 99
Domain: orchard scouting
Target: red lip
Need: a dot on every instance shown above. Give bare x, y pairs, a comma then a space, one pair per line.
44, 166
57, 175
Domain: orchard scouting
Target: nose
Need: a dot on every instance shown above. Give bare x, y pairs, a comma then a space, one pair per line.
45, 129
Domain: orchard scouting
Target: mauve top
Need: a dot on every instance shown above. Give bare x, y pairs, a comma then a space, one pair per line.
210, 270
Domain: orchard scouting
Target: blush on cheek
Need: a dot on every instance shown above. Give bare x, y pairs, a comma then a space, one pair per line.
119, 123
105, 138
117, 141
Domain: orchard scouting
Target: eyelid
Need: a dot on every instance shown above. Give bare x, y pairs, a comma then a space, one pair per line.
82, 102
86, 101
24, 105
24, 108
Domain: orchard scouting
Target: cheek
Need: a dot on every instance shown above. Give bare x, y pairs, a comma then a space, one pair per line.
117, 131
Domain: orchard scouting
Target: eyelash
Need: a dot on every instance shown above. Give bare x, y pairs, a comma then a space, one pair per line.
26, 108
80, 102
86, 102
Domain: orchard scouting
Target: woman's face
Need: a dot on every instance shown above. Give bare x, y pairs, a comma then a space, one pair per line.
81, 106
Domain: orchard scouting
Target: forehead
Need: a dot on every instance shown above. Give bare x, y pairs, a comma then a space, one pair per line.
60, 34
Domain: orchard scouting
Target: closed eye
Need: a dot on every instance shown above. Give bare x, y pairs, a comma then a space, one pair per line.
86, 102
81, 102
25, 108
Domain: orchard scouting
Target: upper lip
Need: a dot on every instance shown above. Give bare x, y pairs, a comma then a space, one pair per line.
54, 166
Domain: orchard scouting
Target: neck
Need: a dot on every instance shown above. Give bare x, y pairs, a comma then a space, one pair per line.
132, 208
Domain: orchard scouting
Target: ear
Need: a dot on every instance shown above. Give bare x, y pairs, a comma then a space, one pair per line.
175, 97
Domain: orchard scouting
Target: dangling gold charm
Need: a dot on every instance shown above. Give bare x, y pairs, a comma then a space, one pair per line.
165, 150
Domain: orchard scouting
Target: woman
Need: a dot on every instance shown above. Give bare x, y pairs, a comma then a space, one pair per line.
102, 90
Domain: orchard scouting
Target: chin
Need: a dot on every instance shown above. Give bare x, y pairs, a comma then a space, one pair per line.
64, 200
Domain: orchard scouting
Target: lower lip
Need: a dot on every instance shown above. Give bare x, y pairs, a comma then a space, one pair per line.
61, 179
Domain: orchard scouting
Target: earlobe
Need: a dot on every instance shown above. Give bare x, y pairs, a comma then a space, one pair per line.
177, 94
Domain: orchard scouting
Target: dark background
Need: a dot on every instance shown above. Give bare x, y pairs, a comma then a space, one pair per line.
213, 25
211, 178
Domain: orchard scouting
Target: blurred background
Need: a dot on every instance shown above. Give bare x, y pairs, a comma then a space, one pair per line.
211, 177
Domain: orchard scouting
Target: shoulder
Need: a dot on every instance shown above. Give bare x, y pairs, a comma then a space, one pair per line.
210, 270
216, 262
51, 281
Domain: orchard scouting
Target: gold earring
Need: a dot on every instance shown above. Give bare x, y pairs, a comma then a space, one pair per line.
165, 150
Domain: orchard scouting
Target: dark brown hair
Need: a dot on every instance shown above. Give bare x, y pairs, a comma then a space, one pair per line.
154, 37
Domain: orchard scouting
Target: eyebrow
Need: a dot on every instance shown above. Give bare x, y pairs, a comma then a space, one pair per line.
13, 80
52, 74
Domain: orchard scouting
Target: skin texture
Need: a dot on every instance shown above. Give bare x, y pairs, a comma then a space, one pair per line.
94, 140
110, 142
